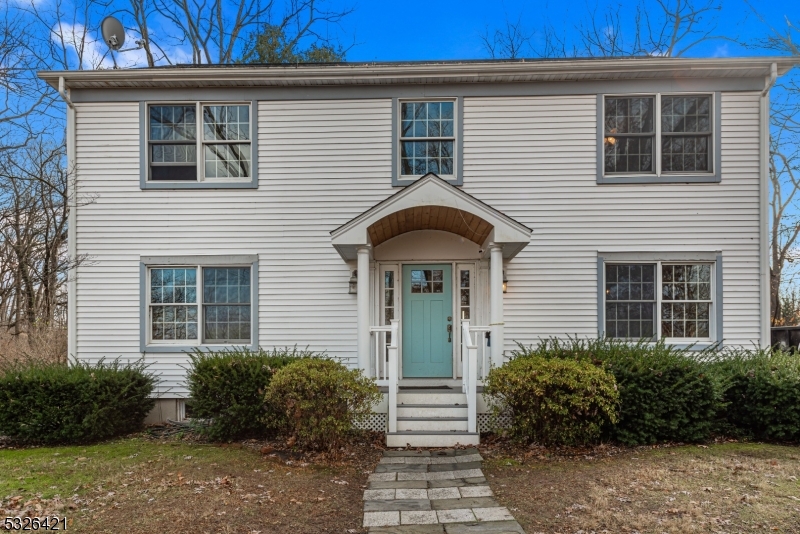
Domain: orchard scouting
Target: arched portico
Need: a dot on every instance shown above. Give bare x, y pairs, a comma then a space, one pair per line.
431, 205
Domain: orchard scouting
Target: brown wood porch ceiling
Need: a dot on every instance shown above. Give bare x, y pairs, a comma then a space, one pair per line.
442, 218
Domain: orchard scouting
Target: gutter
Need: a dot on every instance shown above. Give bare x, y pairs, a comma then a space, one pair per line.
413, 73
72, 231
764, 207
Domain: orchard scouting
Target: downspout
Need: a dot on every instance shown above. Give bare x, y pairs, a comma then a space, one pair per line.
764, 208
770, 81
62, 91
72, 246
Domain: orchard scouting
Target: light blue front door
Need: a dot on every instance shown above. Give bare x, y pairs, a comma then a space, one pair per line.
427, 321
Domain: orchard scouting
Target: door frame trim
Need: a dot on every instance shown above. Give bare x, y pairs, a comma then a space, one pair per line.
456, 293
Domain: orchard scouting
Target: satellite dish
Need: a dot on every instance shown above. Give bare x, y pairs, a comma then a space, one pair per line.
113, 33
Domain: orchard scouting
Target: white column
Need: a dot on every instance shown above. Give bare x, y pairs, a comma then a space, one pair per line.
496, 302
363, 310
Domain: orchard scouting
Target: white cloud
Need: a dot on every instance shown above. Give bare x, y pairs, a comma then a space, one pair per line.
721, 51
179, 55
89, 51
96, 54
132, 58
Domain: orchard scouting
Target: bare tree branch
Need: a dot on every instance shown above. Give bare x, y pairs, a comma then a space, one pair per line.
658, 28
509, 42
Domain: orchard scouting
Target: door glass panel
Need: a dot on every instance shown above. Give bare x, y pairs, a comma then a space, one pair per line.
465, 294
388, 303
417, 281
427, 281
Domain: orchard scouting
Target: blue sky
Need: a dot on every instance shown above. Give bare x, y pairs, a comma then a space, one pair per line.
451, 29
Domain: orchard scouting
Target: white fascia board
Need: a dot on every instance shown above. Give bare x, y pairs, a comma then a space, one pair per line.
422, 72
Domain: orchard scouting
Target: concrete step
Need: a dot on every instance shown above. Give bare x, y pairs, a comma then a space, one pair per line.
431, 439
432, 424
431, 396
431, 410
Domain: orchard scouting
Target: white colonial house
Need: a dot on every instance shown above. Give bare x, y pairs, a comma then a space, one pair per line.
416, 220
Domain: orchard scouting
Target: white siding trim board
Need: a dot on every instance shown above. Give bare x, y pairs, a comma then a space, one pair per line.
444, 90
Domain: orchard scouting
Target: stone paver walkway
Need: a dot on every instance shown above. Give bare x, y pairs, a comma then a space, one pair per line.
433, 492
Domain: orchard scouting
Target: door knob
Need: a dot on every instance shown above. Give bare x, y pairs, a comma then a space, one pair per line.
449, 333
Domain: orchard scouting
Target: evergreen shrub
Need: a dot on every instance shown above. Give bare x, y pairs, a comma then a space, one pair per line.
665, 393
761, 394
320, 401
53, 403
553, 401
227, 389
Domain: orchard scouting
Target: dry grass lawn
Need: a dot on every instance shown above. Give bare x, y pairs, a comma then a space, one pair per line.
138, 485
727, 488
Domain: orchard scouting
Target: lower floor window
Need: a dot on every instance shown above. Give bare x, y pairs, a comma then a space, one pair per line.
211, 304
658, 300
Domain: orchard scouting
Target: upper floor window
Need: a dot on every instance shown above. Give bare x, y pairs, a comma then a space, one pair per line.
664, 137
428, 139
218, 135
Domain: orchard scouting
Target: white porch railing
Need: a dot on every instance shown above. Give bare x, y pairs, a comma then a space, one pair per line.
380, 335
478, 337
469, 375
386, 371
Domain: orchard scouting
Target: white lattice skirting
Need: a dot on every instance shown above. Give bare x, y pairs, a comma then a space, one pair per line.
487, 423
378, 422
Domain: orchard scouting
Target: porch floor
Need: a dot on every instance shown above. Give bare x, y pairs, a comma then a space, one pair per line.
430, 388
433, 492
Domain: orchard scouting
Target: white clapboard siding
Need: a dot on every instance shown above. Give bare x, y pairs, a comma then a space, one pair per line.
534, 158
321, 163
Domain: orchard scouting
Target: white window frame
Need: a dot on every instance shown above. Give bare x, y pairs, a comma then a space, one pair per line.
473, 295
148, 305
472, 291
712, 175
398, 128
712, 314
200, 143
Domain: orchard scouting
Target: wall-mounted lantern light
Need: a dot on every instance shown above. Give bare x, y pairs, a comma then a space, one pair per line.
505, 282
354, 283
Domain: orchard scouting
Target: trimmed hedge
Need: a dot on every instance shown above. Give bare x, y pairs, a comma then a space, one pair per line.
666, 394
227, 387
553, 401
320, 401
761, 394
79, 403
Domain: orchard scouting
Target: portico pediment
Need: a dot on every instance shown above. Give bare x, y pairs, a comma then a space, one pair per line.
431, 204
